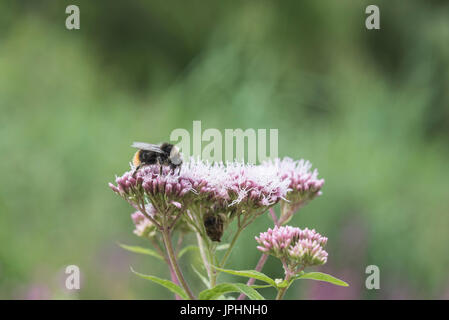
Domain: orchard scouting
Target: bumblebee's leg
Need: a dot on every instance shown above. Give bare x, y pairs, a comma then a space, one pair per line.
158, 161
137, 169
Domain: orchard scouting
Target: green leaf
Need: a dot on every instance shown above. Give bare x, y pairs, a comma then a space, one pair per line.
165, 283
187, 249
323, 277
261, 286
141, 250
203, 278
222, 288
250, 274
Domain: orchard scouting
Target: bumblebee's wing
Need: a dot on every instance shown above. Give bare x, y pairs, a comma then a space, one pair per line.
147, 146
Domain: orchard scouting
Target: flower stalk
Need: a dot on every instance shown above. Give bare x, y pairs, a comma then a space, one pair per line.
231, 246
173, 261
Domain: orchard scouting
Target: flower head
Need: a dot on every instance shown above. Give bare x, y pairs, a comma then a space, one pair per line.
257, 186
298, 174
209, 181
303, 183
143, 226
294, 246
165, 191
230, 189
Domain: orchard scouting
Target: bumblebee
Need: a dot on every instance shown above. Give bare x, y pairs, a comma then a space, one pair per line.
213, 224
162, 154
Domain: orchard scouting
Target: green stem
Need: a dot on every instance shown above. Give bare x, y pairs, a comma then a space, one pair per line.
167, 261
212, 262
205, 259
289, 274
228, 251
206, 249
172, 257
281, 293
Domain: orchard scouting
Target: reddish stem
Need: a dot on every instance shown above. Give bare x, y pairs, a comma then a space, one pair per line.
174, 279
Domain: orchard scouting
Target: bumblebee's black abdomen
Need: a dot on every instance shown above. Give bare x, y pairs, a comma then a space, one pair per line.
148, 157
214, 226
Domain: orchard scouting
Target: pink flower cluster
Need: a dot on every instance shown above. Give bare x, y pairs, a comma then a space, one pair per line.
293, 245
256, 185
152, 183
302, 182
144, 227
237, 186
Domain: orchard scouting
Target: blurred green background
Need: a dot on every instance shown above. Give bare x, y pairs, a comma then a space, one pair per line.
369, 109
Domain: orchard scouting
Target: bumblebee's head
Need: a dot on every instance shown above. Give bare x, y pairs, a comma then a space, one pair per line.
175, 156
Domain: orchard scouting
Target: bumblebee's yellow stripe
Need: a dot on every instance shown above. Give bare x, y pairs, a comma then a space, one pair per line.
136, 158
